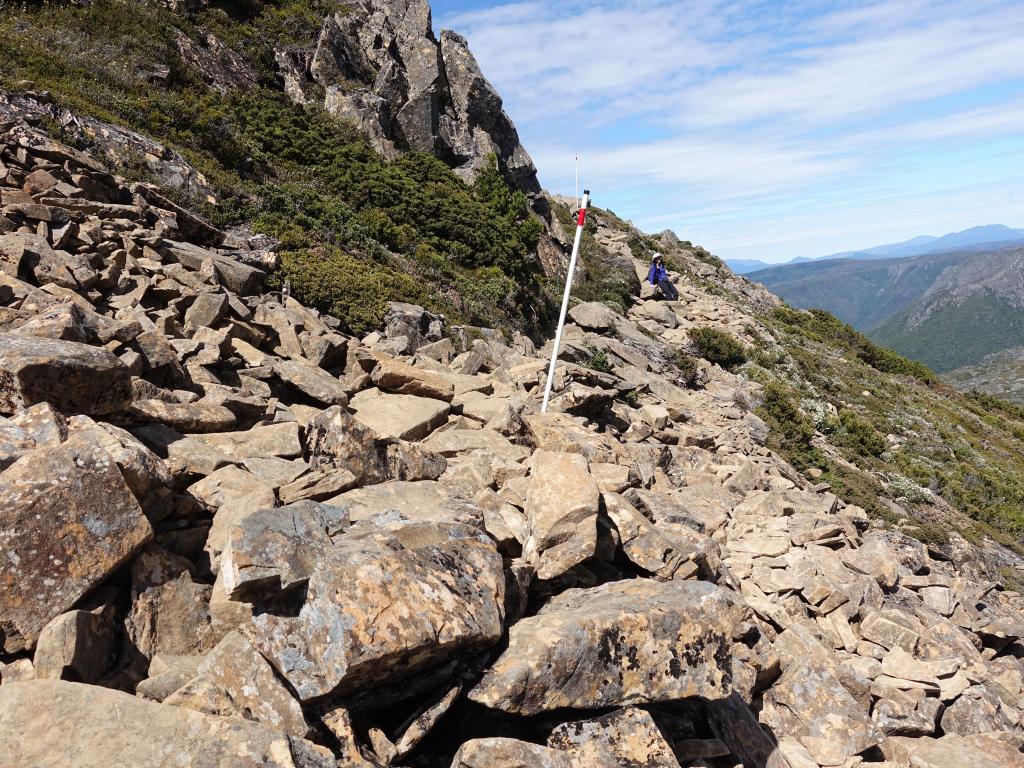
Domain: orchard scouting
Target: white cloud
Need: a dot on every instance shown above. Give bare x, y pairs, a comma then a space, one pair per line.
735, 112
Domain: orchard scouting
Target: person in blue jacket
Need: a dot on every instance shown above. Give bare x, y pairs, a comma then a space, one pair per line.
658, 275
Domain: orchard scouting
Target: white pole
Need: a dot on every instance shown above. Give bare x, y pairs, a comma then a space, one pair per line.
577, 178
581, 218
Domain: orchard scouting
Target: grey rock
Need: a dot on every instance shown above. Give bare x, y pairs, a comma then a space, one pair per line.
73, 377
626, 642
382, 68
389, 598
60, 538
594, 316
277, 549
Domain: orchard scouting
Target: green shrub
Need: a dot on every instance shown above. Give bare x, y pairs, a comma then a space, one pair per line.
349, 288
605, 278
930, 533
598, 360
860, 435
718, 347
688, 370
791, 430
819, 325
707, 257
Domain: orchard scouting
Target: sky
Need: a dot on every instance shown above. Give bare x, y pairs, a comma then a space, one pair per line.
767, 130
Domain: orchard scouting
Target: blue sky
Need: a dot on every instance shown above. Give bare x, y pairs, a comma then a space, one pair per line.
768, 129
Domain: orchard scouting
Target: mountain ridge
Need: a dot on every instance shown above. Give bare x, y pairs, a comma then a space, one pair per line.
988, 234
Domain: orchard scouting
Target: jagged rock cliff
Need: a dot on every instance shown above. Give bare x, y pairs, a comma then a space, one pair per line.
378, 63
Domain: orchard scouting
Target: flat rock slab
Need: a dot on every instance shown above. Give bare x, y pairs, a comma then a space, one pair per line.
73, 377
625, 642
404, 417
389, 598
561, 509
47, 723
423, 501
280, 440
312, 381
401, 378
626, 737
511, 753
454, 442
67, 520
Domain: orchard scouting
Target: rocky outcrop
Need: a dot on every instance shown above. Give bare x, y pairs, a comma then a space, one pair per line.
302, 549
380, 66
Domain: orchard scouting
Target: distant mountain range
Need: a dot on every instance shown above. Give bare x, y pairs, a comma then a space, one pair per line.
974, 308
948, 309
916, 246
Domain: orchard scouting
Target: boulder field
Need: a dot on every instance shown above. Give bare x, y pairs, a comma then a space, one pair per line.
232, 535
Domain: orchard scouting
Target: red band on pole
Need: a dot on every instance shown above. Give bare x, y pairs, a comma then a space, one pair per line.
582, 217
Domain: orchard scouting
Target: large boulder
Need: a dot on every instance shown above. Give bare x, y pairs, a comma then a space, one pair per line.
73, 377
401, 378
68, 520
404, 417
561, 508
594, 316
625, 642
387, 599
46, 723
